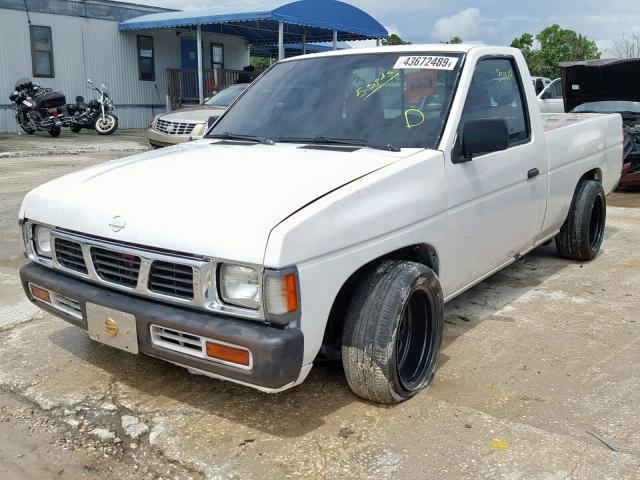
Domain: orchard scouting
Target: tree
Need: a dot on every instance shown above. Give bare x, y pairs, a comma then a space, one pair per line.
394, 39
455, 40
260, 64
626, 47
553, 45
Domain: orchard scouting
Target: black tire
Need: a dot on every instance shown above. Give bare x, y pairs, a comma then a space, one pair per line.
55, 132
393, 331
580, 237
75, 128
107, 127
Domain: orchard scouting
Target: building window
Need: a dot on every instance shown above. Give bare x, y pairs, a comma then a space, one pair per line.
217, 55
41, 51
146, 65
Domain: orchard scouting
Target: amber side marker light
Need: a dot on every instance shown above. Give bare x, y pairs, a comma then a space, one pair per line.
229, 354
40, 293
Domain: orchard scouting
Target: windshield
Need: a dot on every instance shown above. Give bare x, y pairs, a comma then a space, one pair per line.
398, 99
226, 97
609, 106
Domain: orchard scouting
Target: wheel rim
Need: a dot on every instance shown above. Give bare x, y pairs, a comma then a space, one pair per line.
106, 124
596, 224
414, 349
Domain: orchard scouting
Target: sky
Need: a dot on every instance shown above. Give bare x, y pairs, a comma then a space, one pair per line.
486, 21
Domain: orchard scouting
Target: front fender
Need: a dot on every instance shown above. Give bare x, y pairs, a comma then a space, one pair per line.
396, 206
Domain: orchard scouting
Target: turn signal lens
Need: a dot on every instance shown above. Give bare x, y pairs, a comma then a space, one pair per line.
282, 294
40, 293
230, 354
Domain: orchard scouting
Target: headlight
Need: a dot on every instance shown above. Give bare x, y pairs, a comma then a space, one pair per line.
240, 286
42, 240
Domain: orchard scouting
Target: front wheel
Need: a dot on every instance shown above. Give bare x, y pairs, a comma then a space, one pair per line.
106, 126
581, 235
393, 331
55, 132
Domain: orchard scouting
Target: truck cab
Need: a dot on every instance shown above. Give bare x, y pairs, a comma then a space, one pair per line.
334, 208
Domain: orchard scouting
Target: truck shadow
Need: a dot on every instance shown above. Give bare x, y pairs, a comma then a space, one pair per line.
148, 384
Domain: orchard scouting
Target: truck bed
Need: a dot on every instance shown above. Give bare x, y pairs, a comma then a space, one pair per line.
579, 142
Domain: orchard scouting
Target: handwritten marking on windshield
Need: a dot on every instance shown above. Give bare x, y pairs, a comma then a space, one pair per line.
408, 113
382, 80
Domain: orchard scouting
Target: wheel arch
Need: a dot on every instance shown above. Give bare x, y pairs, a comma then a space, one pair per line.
423, 253
593, 174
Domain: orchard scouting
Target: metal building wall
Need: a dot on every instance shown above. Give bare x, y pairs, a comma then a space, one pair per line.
90, 48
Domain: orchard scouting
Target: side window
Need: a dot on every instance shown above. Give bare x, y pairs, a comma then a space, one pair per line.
146, 64
556, 89
496, 92
41, 51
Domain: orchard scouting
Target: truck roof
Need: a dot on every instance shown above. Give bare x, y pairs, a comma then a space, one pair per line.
426, 47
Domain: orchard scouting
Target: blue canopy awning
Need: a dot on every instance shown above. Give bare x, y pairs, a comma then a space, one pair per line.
313, 20
294, 49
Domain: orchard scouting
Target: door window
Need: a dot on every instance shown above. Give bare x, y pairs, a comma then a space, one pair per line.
496, 92
556, 90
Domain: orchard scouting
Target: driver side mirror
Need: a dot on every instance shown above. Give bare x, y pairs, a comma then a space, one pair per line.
482, 136
546, 94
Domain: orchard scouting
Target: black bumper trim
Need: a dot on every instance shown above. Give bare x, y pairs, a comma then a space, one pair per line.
277, 353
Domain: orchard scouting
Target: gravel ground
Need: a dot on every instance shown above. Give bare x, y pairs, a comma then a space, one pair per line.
533, 358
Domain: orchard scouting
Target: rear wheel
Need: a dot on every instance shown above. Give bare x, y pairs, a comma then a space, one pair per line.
580, 237
55, 132
75, 128
392, 332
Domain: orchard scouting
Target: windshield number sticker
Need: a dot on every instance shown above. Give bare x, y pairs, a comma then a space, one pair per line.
427, 62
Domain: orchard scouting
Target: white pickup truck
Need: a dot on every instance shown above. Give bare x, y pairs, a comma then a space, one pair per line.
333, 209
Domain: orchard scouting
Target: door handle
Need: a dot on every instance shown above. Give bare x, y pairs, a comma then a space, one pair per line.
534, 172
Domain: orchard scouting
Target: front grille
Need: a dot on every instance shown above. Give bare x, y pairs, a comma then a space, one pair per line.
171, 279
177, 341
116, 267
69, 255
174, 128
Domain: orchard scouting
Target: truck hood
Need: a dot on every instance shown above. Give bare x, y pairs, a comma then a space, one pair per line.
209, 198
600, 80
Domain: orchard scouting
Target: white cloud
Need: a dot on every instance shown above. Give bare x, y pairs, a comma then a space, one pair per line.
468, 23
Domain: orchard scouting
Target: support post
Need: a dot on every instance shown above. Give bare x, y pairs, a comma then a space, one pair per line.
304, 43
280, 41
200, 73
378, 42
335, 40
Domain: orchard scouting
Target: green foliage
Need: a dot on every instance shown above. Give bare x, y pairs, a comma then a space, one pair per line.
454, 41
260, 64
554, 45
394, 40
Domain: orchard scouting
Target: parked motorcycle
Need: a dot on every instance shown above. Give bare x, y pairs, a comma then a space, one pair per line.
37, 107
97, 114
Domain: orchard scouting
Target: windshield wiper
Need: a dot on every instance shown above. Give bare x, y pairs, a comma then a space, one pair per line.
249, 138
320, 139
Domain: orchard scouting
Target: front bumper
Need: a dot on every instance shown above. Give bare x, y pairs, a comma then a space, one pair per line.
277, 353
158, 139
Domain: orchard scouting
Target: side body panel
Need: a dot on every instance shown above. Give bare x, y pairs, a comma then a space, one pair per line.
579, 143
397, 206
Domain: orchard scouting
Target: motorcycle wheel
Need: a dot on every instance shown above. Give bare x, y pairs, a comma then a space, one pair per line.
55, 132
108, 126
75, 129
27, 130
